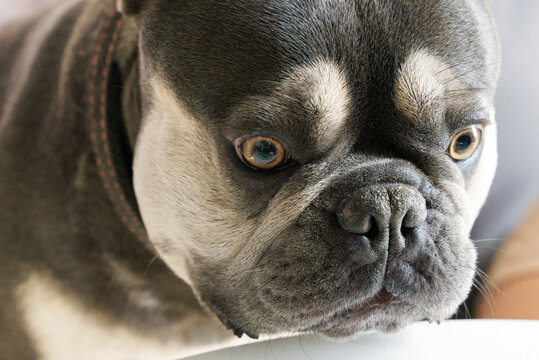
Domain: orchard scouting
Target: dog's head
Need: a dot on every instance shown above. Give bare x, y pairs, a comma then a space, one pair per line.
316, 165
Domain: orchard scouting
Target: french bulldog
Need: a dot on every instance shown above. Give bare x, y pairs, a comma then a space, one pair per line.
170, 169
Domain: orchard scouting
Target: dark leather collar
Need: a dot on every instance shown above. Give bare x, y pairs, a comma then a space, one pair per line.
108, 136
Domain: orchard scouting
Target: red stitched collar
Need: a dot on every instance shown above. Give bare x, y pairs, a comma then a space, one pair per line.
98, 98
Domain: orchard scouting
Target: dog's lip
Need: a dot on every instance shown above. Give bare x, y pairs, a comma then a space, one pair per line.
380, 299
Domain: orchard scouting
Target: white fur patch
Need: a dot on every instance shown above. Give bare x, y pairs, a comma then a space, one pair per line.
327, 93
185, 198
63, 329
421, 82
120, 5
470, 198
479, 185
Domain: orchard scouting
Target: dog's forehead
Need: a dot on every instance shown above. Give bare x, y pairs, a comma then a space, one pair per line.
215, 54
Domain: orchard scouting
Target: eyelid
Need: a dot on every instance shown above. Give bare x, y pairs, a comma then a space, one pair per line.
262, 133
483, 122
459, 120
480, 125
469, 122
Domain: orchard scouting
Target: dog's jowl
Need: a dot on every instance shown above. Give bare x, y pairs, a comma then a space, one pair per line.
170, 169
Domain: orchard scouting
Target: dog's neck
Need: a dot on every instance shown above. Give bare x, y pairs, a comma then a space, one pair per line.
126, 63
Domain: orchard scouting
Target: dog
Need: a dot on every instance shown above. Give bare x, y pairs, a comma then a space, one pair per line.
171, 169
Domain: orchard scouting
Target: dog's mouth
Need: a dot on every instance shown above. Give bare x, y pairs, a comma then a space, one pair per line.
341, 323
380, 298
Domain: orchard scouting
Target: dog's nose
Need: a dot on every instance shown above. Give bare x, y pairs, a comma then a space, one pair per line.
393, 210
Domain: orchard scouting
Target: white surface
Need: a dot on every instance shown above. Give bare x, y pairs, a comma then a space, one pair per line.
455, 339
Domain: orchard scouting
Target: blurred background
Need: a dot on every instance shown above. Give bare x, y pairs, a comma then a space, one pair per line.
516, 186
16, 9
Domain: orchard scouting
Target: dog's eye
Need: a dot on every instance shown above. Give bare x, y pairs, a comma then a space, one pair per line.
465, 143
261, 152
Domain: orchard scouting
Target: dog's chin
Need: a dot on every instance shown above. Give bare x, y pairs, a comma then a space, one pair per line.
382, 313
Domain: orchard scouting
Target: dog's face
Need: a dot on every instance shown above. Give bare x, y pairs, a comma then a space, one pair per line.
317, 165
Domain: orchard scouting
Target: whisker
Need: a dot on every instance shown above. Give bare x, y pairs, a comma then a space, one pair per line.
462, 74
254, 269
486, 240
488, 298
150, 263
265, 284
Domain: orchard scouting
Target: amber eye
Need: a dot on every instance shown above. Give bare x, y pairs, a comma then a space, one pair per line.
465, 143
261, 152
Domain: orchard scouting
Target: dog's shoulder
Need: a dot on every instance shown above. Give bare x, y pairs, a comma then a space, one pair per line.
60, 326
52, 293
23, 64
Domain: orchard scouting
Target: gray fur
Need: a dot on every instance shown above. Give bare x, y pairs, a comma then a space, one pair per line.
262, 250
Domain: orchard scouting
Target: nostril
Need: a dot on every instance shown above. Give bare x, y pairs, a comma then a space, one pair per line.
414, 217
355, 223
364, 224
371, 211
412, 220
374, 230
406, 231
356, 218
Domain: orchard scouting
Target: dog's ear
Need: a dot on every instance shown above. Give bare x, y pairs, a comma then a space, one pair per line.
130, 7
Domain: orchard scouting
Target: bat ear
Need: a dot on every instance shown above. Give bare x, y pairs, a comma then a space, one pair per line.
130, 7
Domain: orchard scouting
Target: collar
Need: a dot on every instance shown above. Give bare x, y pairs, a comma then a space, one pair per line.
107, 130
